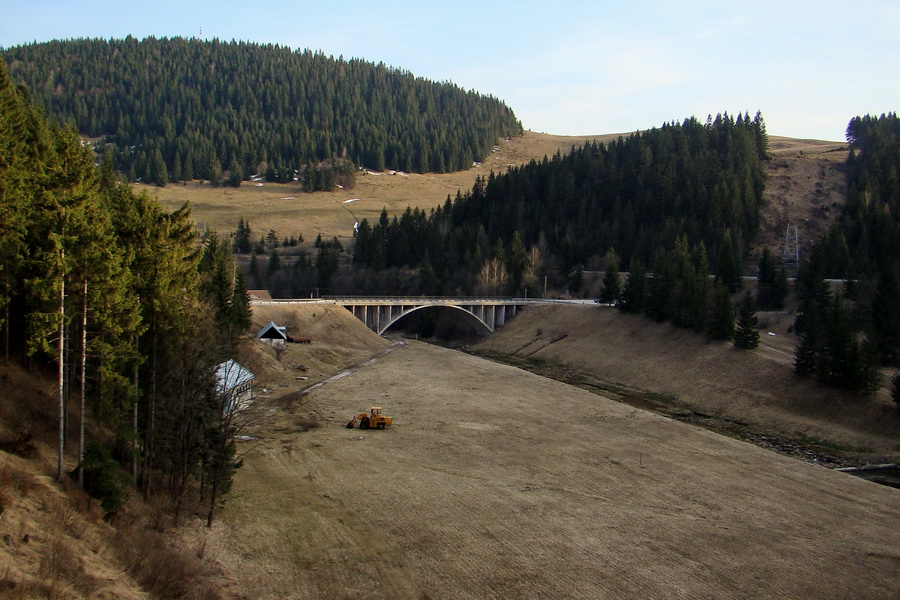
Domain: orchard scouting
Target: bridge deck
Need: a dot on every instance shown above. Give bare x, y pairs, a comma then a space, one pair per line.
379, 313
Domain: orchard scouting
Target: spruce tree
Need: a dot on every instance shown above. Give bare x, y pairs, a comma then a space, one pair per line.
808, 351
720, 324
612, 284
274, 262
884, 317
747, 334
634, 292
766, 276
728, 268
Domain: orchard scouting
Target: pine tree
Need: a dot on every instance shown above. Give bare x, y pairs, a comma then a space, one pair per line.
885, 317
720, 324
516, 260
728, 269
612, 284
766, 277
430, 285
808, 351
253, 268
159, 174
634, 292
242, 236
747, 334
274, 262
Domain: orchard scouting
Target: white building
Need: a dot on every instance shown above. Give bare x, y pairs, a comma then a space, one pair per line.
235, 384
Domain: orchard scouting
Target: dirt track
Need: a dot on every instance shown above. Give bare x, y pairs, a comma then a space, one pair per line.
496, 483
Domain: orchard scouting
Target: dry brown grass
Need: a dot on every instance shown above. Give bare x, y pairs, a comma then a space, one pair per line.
54, 542
287, 210
160, 569
495, 482
50, 545
758, 388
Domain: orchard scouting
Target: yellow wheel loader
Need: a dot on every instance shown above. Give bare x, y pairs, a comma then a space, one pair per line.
373, 418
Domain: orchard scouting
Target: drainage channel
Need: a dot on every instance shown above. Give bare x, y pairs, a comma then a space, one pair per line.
888, 475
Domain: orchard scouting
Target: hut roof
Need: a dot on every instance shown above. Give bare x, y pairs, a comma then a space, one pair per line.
271, 331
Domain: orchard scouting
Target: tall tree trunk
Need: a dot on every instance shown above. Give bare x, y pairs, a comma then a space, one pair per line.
6, 331
83, 387
134, 413
151, 412
61, 379
212, 503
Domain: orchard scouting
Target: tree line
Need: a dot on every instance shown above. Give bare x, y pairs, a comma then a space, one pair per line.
847, 334
133, 308
178, 109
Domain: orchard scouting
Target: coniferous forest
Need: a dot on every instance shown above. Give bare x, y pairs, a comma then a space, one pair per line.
846, 335
636, 196
134, 308
178, 109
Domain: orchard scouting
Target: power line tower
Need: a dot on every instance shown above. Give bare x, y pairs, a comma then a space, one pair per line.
791, 256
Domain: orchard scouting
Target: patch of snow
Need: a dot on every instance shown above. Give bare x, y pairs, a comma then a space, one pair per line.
350, 200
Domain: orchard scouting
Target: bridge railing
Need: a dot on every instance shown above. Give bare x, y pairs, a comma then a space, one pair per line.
420, 300
460, 299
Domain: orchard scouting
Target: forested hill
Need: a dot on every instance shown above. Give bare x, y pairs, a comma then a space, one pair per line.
185, 108
637, 195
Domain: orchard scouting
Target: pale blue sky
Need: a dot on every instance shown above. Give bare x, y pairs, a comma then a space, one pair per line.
569, 67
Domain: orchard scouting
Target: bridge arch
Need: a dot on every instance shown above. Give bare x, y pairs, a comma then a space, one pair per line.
483, 327
380, 313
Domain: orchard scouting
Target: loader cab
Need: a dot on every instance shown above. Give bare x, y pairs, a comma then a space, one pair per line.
373, 419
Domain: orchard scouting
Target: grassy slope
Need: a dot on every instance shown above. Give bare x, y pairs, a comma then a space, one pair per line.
677, 371
494, 482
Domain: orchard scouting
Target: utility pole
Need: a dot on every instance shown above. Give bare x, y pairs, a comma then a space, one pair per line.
791, 257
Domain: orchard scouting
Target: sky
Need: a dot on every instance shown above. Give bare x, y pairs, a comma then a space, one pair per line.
568, 68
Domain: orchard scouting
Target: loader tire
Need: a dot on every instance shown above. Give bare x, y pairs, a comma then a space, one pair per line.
364, 424
380, 426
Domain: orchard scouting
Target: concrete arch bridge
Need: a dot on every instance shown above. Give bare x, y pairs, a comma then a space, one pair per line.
379, 313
